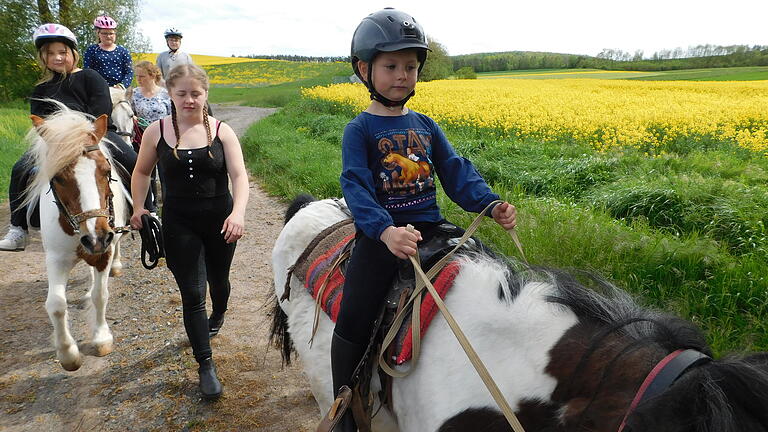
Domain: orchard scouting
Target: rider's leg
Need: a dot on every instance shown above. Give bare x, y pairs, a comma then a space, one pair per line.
16, 238
126, 156
369, 275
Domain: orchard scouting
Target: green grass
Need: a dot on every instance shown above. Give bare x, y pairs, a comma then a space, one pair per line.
296, 150
749, 73
685, 232
14, 124
277, 95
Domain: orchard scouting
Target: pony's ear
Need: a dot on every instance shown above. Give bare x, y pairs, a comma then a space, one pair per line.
100, 126
36, 121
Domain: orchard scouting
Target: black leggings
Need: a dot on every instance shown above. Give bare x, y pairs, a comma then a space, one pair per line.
21, 175
195, 253
369, 276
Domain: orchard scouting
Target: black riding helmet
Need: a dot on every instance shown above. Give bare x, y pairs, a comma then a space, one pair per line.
387, 30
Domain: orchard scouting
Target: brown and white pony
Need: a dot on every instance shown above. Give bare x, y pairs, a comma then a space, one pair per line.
568, 358
80, 204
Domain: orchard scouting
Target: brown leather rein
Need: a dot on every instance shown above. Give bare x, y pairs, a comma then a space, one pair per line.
75, 220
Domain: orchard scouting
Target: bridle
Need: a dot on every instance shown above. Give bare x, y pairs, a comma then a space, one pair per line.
663, 375
75, 220
124, 133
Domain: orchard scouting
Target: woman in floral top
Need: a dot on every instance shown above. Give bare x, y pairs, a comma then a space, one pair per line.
150, 101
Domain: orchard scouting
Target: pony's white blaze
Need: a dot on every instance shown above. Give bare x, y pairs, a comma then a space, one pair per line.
444, 382
85, 174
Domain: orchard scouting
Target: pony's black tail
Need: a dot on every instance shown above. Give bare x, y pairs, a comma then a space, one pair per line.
297, 204
279, 337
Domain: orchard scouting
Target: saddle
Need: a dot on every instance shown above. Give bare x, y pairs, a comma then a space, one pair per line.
321, 270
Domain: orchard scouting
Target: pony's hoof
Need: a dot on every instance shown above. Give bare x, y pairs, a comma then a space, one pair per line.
103, 349
115, 272
72, 365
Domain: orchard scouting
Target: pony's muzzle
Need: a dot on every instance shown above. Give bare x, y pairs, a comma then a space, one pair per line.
97, 245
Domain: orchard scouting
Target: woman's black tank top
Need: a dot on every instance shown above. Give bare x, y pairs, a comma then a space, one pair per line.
194, 174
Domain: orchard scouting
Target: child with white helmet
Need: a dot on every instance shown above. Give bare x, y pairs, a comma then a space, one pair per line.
389, 49
174, 56
81, 90
107, 58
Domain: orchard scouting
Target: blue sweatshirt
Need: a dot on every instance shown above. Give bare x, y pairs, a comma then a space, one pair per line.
388, 172
115, 66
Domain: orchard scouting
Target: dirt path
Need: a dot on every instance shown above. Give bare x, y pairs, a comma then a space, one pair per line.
150, 381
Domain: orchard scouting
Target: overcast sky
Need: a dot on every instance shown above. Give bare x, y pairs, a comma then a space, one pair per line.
324, 28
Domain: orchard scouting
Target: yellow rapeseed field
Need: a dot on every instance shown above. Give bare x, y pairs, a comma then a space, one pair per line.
266, 72
199, 59
236, 71
601, 113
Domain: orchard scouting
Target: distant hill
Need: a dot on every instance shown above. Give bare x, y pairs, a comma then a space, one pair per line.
730, 56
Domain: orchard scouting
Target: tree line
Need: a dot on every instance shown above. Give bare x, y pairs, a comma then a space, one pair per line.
696, 57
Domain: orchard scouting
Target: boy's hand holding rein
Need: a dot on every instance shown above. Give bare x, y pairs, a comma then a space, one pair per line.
400, 241
505, 215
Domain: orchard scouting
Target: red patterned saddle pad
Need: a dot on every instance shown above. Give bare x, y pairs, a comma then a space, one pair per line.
316, 268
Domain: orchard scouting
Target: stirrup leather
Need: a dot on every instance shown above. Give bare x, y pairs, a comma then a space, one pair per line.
338, 408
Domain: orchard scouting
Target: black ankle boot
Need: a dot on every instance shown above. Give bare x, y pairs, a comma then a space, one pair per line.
215, 322
210, 386
345, 356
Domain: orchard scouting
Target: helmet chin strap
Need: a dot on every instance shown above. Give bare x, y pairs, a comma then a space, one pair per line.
375, 95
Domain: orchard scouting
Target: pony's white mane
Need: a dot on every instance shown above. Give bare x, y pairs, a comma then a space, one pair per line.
59, 141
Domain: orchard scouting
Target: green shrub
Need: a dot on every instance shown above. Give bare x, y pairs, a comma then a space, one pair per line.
466, 73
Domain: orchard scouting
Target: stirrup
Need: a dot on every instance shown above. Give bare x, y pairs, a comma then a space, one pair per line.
338, 408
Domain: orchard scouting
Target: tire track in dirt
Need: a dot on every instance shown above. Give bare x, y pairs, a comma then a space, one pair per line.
150, 381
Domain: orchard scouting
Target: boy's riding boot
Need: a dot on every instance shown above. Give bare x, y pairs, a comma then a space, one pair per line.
210, 387
345, 356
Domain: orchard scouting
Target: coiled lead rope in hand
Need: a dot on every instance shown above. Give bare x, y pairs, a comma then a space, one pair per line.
152, 247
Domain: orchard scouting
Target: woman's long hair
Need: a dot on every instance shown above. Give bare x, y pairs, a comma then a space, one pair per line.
42, 61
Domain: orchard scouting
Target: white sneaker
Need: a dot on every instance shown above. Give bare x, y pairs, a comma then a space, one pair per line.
15, 240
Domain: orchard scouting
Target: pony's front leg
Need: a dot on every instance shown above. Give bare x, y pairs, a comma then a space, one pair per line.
56, 306
102, 337
116, 269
